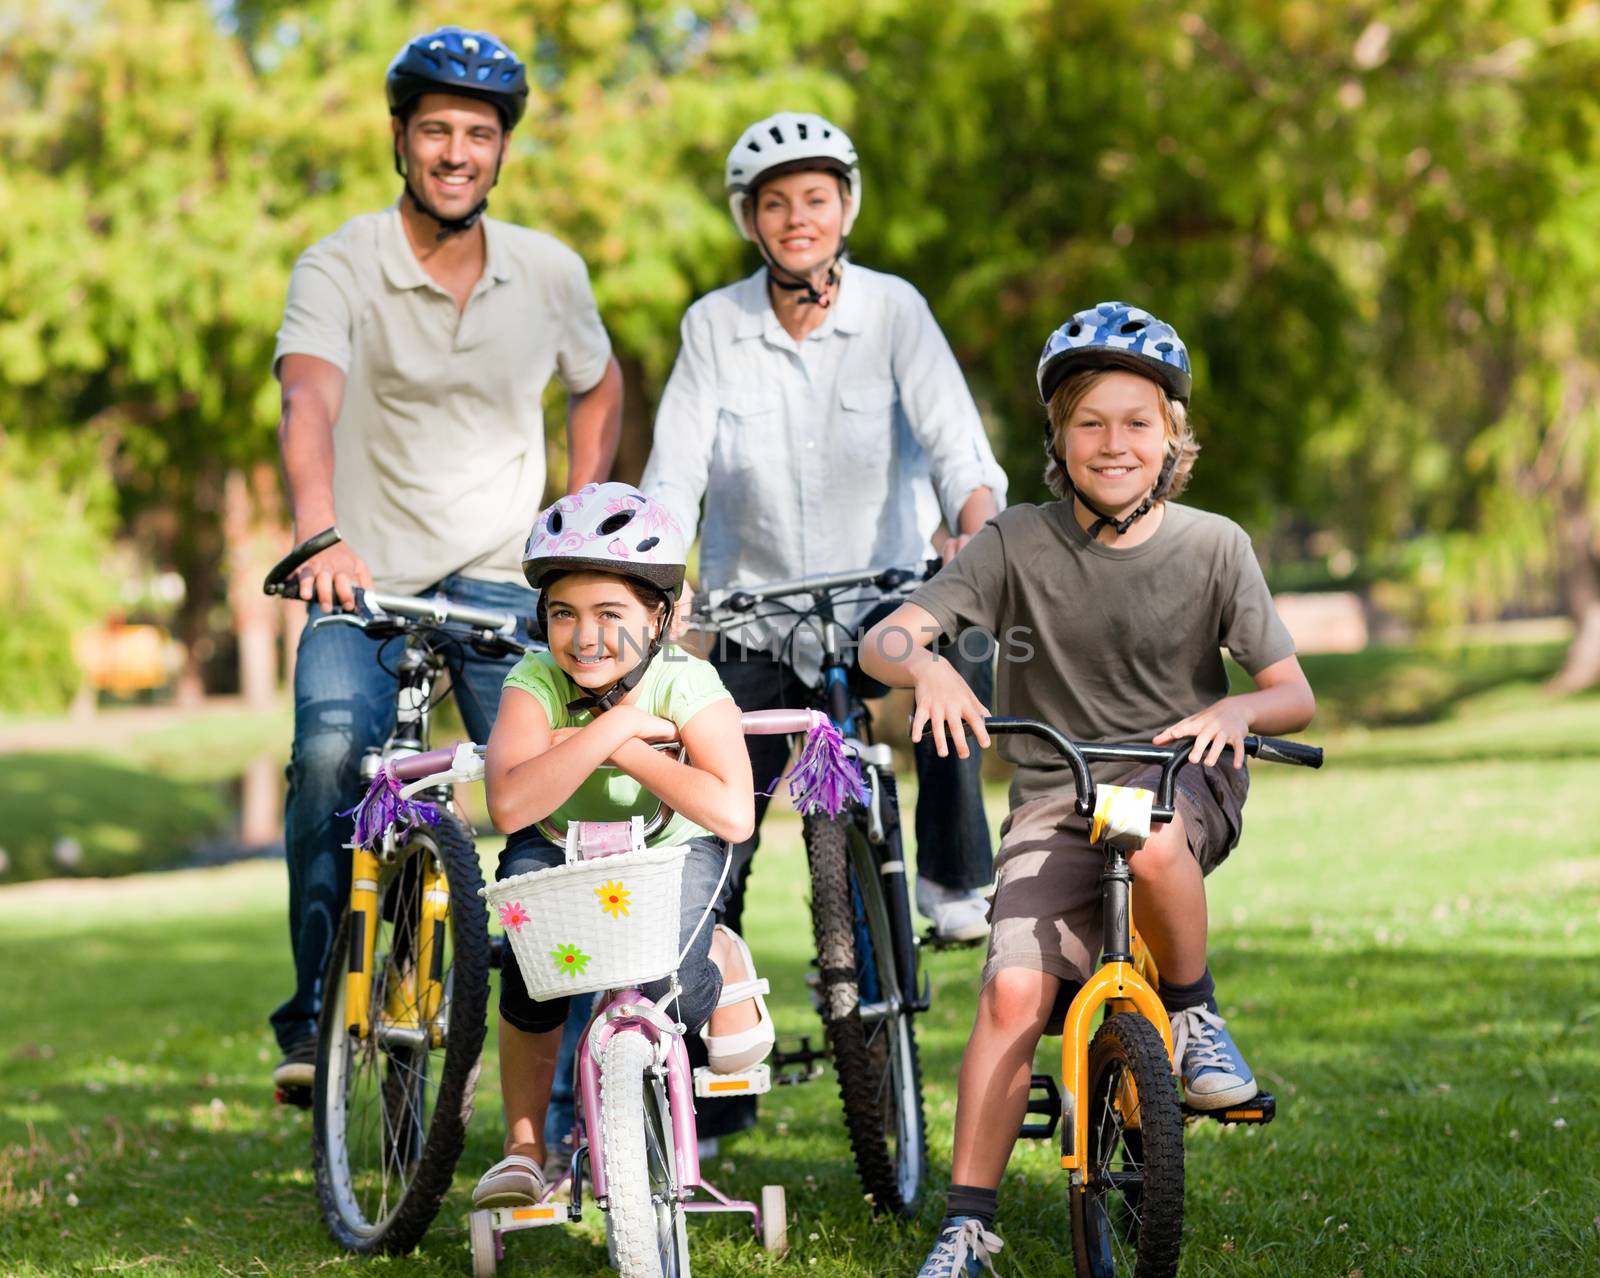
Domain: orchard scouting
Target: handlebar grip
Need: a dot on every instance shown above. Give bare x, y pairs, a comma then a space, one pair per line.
1276, 750
277, 582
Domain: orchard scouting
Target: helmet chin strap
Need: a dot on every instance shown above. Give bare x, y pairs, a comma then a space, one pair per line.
1104, 520
448, 226
602, 701
796, 283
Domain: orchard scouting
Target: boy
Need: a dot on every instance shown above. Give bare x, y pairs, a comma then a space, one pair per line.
1118, 602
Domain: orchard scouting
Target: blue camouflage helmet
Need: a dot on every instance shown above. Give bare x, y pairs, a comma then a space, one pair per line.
452, 60
1115, 328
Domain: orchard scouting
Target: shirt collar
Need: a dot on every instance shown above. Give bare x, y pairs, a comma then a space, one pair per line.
756, 316
400, 264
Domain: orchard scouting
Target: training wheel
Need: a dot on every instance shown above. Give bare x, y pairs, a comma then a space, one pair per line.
774, 1220
480, 1228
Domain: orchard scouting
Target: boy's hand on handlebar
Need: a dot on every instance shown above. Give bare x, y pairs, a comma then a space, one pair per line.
946, 705
1214, 729
333, 574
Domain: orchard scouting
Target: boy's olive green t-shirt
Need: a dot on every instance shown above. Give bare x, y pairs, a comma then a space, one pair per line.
1106, 644
676, 686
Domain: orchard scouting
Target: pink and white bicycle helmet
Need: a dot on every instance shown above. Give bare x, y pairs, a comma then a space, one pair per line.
611, 528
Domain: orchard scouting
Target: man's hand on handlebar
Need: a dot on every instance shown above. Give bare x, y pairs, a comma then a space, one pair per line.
945, 704
680, 623
333, 574
1218, 726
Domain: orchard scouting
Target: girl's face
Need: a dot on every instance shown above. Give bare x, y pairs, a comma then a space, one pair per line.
1115, 441
597, 628
799, 217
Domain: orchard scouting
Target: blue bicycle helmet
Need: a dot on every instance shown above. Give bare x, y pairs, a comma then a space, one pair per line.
1114, 327
1110, 335
452, 60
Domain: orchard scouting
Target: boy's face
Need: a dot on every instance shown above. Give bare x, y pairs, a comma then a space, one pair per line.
597, 628
1115, 441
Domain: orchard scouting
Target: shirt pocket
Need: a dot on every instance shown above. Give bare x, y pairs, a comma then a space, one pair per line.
749, 429
867, 421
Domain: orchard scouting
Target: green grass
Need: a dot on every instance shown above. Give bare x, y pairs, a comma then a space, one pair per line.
138, 806
1406, 949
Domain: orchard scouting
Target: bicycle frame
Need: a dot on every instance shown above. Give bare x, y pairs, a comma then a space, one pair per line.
1127, 978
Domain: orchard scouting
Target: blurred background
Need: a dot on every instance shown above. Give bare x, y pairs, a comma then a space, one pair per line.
1373, 224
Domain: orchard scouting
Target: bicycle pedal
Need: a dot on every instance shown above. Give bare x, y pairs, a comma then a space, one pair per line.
931, 940
796, 1065
506, 1219
1044, 1100
298, 1097
709, 1085
1259, 1109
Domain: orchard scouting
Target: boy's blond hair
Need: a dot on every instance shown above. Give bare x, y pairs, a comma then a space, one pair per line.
1180, 441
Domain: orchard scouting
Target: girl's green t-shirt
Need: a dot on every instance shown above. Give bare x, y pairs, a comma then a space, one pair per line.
676, 686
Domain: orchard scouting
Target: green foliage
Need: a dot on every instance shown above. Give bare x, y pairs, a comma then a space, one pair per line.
56, 516
1375, 231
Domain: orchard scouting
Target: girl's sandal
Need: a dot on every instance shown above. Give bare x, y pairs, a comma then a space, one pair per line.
733, 1053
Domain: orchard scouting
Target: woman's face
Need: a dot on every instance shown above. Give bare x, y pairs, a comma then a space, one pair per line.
800, 218
1115, 441
597, 628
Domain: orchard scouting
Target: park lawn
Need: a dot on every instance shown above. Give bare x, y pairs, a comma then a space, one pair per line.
143, 804
1407, 952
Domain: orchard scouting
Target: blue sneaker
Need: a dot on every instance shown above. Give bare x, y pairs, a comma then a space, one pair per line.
1214, 1073
965, 1250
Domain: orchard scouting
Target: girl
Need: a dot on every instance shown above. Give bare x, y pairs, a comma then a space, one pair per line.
573, 743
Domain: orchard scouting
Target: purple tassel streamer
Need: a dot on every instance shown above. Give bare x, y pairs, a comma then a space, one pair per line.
383, 807
825, 777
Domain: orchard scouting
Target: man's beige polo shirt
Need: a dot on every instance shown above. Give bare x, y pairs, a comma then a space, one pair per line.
439, 446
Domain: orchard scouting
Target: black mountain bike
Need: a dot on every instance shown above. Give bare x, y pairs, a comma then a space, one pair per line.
869, 990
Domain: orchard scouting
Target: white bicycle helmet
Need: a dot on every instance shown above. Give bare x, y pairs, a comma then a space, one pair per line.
790, 142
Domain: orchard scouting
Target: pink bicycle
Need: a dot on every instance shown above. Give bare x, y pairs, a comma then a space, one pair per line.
637, 1145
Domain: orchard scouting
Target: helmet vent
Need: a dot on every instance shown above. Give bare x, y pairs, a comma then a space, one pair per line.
649, 543
554, 522
1133, 326
777, 134
615, 523
1075, 330
753, 145
1164, 347
460, 66
802, 129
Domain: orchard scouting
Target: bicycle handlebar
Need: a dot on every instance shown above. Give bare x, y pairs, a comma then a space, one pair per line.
377, 608
736, 602
1080, 754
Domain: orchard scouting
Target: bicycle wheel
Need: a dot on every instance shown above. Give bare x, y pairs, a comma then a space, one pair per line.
1127, 1219
390, 1108
645, 1216
870, 1029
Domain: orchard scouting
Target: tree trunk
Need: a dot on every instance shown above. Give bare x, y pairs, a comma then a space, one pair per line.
198, 555
1581, 577
253, 530
633, 450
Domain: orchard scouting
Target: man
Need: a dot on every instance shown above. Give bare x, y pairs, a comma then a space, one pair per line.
415, 349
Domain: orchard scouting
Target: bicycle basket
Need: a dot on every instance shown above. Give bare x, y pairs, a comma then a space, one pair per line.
594, 925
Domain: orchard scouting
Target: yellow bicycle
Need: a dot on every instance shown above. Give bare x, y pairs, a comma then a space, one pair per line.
1119, 1107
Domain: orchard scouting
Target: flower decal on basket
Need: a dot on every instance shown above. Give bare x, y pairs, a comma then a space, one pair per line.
613, 898
570, 959
513, 916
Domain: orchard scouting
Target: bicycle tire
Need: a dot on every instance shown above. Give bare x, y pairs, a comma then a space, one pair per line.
645, 1217
383, 1202
876, 1062
1127, 1217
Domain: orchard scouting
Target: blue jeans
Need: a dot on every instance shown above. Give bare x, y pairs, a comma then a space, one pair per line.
344, 704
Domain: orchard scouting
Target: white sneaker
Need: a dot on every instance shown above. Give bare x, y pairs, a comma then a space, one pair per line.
957, 914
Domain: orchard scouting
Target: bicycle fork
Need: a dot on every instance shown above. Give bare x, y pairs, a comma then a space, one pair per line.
413, 988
